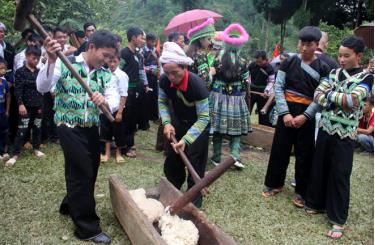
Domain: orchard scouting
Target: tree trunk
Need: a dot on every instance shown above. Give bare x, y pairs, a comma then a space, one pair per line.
282, 35
304, 4
359, 13
267, 32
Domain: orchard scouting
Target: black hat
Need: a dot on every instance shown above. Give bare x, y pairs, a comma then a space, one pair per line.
310, 34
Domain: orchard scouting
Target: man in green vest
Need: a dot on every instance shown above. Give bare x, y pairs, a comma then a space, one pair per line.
77, 118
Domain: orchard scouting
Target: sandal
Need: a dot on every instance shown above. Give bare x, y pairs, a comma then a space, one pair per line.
131, 154
270, 192
298, 201
336, 232
10, 162
103, 158
119, 159
310, 211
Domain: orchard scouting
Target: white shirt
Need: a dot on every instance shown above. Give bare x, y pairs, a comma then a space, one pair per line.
50, 74
3, 46
20, 59
116, 88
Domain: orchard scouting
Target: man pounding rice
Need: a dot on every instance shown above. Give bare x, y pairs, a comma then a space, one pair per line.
188, 99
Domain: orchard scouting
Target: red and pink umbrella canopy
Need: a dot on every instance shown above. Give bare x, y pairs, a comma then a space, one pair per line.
189, 19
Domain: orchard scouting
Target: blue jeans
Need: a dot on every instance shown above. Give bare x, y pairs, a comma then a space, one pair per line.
366, 142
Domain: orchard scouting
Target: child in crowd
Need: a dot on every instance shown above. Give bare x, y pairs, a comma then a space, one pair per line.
133, 66
365, 137
30, 103
4, 109
115, 94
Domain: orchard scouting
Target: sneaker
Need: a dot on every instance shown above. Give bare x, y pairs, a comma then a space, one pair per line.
10, 162
38, 153
214, 162
239, 165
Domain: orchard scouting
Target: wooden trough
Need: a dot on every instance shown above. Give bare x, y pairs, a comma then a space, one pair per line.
262, 136
141, 232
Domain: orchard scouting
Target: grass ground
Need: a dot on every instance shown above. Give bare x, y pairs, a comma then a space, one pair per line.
32, 190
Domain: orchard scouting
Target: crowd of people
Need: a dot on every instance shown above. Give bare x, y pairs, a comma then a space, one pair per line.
198, 85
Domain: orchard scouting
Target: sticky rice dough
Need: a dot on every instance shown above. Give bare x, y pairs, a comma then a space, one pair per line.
174, 230
177, 231
153, 209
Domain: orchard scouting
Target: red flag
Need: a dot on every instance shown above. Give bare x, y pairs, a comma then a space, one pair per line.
276, 52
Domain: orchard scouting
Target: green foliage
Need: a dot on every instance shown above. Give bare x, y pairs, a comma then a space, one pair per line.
302, 18
7, 10
335, 36
341, 13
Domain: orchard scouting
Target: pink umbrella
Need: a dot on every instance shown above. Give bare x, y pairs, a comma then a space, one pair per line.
189, 19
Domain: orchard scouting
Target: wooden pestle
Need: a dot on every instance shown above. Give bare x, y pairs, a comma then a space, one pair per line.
206, 181
189, 166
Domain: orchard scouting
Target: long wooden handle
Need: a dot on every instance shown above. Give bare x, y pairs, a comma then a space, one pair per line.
189, 166
67, 63
186, 161
206, 181
268, 104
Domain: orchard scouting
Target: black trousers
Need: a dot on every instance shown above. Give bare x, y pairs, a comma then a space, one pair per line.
143, 109
260, 102
174, 168
3, 132
33, 119
82, 158
284, 139
13, 116
49, 129
130, 118
329, 186
110, 130
152, 98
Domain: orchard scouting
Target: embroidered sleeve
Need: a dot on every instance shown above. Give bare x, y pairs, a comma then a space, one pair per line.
143, 76
348, 100
314, 107
202, 122
163, 107
324, 87
281, 105
202, 68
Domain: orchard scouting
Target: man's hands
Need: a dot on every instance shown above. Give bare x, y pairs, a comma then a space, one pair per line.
294, 122
299, 121
98, 99
288, 120
118, 117
22, 110
52, 46
170, 130
148, 89
180, 146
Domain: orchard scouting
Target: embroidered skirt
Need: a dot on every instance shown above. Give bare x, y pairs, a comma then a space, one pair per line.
229, 114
